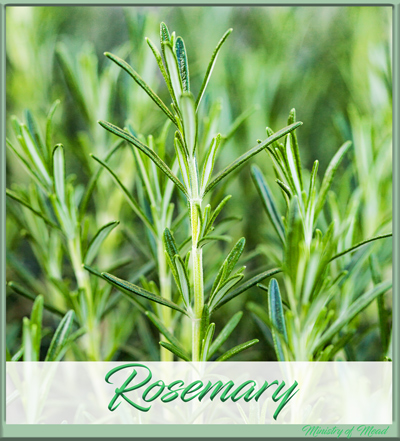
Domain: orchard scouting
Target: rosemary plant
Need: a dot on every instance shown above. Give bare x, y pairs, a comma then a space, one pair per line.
195, 184
311, 324
48, 211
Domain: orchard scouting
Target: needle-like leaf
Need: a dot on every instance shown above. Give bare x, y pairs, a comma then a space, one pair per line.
163, 330
207, 342
329, 175
132, 202
59, 172
26, 204
211, 66
229, 354
131, 289
247, 285
97, 240
224, 334
268, 201
360, 304
60, 338
246, 156
276, 317
142, 84
175, 350
148, 152
360, 244
181, 56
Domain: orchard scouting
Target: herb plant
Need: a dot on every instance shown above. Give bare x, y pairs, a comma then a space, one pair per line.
312, 324
132, 202
186, 269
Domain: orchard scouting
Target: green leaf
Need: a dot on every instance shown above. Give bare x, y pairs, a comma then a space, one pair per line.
129, 289
384, 325
148, 152
290, 158
268, 201
360, 244
26, 204
17, 356
60, 338
224, 334
295, 147
247, 285
211, 66
124, 65
164, 32
35, 155
97, 240
246, 156
8, 355
206, 218
170, 244
35, 133
223, 290
175, 350
207, 342
355, 308
209, 162
173, 73
158, 58
19, 289
93, 180
207, 239
71, 79
59, 172
312, 189
189, 119
36, 319
329, 175
164, 36
205, 321
64, 218
27, 344
229, 354
164, 331
181, 56
183, 280
229, 263
276, 317
216, 213
131, 201
28, 167
183, 163
49, 127
294, 237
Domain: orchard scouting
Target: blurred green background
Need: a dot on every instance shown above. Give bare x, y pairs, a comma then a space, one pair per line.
332, 64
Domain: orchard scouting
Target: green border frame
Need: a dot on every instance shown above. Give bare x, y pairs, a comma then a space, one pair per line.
183, 431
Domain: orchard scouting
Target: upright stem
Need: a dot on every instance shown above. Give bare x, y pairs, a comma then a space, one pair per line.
83, 282
197, 261
165, 291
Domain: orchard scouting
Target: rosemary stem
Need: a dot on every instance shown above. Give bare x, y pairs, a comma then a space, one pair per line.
165, 291
197, 260
83, 282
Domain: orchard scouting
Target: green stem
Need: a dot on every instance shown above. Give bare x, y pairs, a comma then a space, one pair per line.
83, 281
197, 261
165, 291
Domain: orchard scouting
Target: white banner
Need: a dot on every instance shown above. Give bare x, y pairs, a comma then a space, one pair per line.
199, 393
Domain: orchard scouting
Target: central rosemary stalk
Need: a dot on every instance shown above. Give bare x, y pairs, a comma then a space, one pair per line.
197, 260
